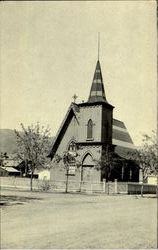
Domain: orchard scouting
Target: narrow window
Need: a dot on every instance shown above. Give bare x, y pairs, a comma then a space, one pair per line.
72, 147
90, 129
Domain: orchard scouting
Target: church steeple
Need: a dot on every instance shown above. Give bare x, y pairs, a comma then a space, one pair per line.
97, 93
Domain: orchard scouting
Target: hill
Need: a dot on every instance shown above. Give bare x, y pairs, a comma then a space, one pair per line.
8, 141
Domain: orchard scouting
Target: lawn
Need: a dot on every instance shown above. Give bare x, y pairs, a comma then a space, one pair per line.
51, 220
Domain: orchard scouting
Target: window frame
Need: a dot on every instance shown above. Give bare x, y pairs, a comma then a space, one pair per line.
90, 130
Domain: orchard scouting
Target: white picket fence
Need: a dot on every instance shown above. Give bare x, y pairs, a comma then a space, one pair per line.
73, 186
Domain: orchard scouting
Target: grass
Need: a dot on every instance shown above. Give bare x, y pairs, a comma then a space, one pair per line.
49, 220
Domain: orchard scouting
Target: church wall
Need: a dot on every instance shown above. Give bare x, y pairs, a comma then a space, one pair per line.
70, 134
95, 152
57, 169
58, 172
94, 113
77, 131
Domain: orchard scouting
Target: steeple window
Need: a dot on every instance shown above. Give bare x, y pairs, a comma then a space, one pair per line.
90, 129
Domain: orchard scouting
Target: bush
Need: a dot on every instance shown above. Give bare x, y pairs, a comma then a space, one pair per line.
45, 186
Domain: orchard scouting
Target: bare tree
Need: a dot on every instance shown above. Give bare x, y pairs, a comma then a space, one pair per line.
33, 147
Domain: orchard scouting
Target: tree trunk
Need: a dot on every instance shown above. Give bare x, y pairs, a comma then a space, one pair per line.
157, 190
108, 187
143, 180
67, 179
25, 167
80, 187
142, 188
31, 181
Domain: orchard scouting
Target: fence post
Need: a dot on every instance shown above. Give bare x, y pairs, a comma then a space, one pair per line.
115, 186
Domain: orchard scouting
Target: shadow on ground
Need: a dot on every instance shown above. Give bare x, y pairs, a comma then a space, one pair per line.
15, 200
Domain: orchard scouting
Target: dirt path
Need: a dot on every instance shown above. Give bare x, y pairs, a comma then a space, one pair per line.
79, 221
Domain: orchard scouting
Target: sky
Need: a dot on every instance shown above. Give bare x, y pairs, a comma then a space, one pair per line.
49, 52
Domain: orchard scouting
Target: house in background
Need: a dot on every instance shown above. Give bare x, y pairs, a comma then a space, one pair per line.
43, 174
87, 130
9, 167
152, 179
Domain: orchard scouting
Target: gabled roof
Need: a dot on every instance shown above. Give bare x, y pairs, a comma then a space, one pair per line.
72, 110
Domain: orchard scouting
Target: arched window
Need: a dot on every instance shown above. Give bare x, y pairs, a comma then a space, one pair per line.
90, 129
72, 147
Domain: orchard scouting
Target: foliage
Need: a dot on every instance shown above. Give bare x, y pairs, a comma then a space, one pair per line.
3, 156
45, 186
67, 158
107, 162
146, 156
33, 146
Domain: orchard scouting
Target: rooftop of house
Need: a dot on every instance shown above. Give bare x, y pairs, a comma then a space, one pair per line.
11, 163
10, 169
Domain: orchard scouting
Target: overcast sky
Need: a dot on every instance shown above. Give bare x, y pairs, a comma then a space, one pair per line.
49, 52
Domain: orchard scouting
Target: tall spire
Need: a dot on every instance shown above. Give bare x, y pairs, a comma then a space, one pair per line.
97, 93
98, 44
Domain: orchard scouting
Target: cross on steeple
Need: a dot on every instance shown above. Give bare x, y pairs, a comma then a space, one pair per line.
74, 97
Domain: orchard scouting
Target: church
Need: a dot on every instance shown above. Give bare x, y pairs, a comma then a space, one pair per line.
89, 131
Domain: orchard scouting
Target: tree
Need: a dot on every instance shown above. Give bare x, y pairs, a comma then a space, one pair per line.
146, 157
33, 147
69, 159
150, 145
3, 156
108, 162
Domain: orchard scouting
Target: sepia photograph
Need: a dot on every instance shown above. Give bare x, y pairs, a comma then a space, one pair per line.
78, 126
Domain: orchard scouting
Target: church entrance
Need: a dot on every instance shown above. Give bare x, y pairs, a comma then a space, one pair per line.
87, 174
87, 171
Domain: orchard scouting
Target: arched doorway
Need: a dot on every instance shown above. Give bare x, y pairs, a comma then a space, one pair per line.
87, 171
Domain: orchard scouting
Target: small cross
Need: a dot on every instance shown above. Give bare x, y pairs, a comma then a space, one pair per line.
74, 97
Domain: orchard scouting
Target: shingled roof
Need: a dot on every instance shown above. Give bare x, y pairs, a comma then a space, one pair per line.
120, 135
97, 92
121, 139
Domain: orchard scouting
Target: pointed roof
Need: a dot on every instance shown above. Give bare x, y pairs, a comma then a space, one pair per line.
72, 110
97, 92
